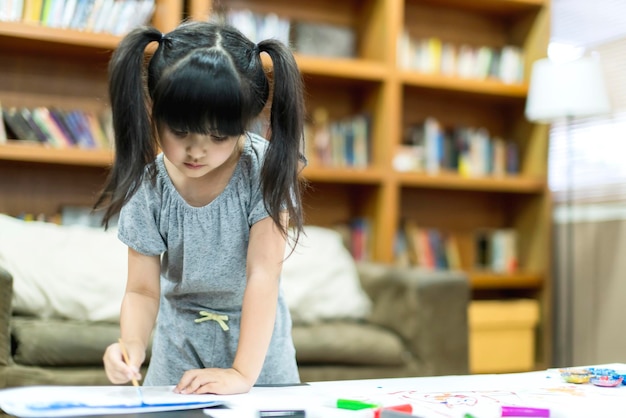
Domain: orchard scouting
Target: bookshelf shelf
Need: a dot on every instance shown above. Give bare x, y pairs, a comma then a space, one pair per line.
466, 86
506, 7
491, 281
35, 153
510, 184
342, 68
40, 37
344, 175
53, 67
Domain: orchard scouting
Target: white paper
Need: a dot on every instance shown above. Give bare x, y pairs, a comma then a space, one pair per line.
57, 401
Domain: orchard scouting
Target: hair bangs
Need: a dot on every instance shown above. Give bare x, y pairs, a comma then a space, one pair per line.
202, 95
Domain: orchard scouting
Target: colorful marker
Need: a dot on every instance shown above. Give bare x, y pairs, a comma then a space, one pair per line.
395, 411
519, 411
524, 411
356, 405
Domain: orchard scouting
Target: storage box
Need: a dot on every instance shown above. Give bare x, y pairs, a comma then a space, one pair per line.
502, 335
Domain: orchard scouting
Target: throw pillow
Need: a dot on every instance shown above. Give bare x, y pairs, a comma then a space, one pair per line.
320, 279
73, 272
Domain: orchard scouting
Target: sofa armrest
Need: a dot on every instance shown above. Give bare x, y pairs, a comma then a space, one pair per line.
6, 296
428, 309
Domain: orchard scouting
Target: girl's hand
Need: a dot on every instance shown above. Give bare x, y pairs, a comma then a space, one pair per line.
116, 368
218, 381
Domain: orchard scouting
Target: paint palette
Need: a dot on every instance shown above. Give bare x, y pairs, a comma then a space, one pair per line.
605, 377
606, 381
576, 375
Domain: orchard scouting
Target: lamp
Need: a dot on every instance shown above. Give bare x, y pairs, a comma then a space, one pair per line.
562, 91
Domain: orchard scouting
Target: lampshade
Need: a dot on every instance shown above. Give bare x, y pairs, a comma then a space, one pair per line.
566, 89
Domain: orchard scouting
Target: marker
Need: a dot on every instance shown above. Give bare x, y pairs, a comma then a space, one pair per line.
355, 405
518, 411
393, 414
523, 411
291, 413
396, 411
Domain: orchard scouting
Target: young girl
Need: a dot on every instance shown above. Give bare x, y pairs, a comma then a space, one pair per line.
206, 220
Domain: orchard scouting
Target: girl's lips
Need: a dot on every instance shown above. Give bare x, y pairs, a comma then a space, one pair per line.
193, 166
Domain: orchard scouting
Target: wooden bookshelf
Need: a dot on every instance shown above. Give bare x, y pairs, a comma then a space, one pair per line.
37, 153
43, 66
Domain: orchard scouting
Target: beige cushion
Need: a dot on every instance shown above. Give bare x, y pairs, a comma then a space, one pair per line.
320, 279
73, 272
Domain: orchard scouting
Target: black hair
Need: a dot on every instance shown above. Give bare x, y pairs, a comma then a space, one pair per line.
204, 77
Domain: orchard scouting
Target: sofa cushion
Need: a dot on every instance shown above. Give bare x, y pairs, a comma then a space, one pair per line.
73, 272
347, 342
56, 342
320, 279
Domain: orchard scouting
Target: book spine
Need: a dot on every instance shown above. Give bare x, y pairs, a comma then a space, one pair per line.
3, 130
36, 131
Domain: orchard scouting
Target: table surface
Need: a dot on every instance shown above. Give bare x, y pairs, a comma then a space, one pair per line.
430, 397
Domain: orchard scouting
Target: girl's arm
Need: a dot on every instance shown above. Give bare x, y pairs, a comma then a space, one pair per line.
266, 251
138, 314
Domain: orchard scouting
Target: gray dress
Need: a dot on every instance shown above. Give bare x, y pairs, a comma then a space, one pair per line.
203, 272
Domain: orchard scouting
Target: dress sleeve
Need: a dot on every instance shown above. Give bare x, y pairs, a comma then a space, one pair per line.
257, 205
139, 222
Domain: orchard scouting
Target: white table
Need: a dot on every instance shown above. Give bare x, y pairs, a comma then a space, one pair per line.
430, 397
440, 397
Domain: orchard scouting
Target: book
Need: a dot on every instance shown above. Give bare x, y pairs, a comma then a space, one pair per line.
103, 14
36, 127
483, 249
426, 255
116, 9
54, 17
453, 253
80, 129
3, 131
58, 135
68, 13
15, 10
39, 124
128, 10
433, 137
32, 11
504, 250
81, 14
100, 138
45, 11
58, 116
106, 122
18, 126
412, 246
325, 40
360, 239
95, 12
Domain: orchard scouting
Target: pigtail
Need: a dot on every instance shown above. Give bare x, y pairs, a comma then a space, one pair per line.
135, 146
280, 171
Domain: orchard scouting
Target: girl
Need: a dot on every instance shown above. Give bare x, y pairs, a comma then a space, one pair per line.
206, 220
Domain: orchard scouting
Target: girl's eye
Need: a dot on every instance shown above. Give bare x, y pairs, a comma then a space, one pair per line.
180, 134
219, 138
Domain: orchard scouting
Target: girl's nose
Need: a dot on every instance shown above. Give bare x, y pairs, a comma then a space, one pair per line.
196, 148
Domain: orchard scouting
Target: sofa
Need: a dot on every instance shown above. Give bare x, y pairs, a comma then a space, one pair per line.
410, 322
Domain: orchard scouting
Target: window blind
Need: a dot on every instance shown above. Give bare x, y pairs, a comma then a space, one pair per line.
595, 146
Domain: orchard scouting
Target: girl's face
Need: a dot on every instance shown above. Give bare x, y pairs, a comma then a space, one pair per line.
195, 155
